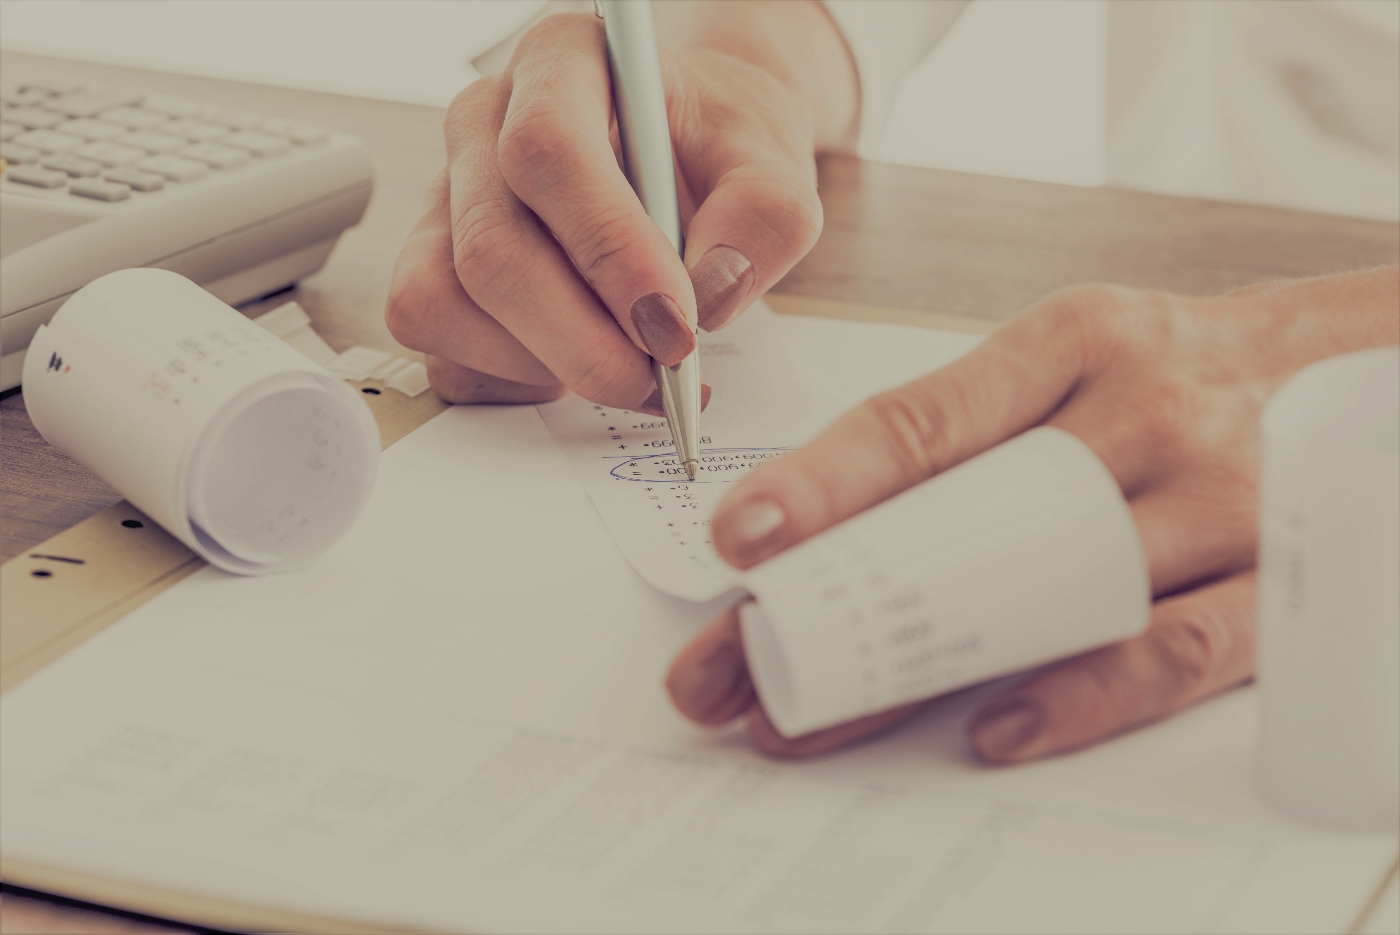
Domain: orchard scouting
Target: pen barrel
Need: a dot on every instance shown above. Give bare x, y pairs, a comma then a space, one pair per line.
640, 96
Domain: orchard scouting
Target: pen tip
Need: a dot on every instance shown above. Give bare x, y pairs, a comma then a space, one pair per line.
690, 469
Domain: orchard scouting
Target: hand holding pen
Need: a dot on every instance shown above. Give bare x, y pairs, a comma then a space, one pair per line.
535, 268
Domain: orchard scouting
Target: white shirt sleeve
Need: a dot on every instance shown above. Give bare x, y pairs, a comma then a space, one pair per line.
887, 39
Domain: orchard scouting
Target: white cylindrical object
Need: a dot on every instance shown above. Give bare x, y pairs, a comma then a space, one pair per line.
1329, 593
243, 448
1023, 554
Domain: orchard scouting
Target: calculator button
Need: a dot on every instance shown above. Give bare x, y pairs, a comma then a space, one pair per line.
72, 165
25, 98
39, 178
151, 141
232, 118
53, 85
137, 179
297, 131
32, 118
195, 131
171, 106
212, 154
110, 154
9, 131
259, 144
99, 189
49, 141
91, 130
134, 119
19, 155
174, 168
91, 103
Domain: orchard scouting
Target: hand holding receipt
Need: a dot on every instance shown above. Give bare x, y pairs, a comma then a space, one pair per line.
646, 146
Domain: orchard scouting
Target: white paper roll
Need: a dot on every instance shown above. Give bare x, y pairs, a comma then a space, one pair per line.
251, 454
1329, 593
1024, 554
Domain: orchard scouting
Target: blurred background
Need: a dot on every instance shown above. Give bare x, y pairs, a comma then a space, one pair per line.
1293, 103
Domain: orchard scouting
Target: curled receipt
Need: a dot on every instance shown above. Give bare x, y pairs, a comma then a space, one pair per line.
1023, 554
240, 446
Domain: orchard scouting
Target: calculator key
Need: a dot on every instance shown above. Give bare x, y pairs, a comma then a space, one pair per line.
19, 155
31, 118
72, 165
133, 118
100, 189
49, 141
151, 141
174, 168
9, 131
137, 179
298, 131
91, 130
110, 154
195, 131
259, 144
212, 154
39, 178
53, 85
92, 102
231, 117
27, 97
171, 106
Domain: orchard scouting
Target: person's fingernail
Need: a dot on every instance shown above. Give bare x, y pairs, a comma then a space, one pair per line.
1007, 732
663, 329
653, 406
722, 279
748, 531
715, 689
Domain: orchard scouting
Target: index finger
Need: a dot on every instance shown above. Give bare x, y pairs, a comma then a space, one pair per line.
556, 155
1008, 384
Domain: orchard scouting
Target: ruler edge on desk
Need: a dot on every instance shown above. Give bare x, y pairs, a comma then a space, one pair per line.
165, 562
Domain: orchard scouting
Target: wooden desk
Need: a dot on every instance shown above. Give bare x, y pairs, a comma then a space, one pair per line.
904, 244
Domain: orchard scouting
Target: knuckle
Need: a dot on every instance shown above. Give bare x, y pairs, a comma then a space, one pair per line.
532, 143
488, 249
792, 211
408, 311
1188, 647
610, 231
467, 103
913, 433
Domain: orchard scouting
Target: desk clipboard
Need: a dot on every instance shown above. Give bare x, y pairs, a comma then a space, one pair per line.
97, 571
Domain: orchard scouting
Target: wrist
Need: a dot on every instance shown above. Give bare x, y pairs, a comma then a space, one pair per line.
796, 41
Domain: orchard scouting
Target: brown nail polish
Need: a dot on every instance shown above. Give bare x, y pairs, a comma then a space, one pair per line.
663, 329
722, 280
1007, 731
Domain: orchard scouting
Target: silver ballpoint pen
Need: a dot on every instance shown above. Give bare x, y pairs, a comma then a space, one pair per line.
640, 98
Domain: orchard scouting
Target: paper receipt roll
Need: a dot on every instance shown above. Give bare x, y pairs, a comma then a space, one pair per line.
1024, 554
248, 452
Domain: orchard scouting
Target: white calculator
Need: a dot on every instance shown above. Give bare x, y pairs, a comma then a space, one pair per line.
100, 178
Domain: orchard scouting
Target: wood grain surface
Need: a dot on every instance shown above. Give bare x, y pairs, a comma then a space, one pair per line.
932, 243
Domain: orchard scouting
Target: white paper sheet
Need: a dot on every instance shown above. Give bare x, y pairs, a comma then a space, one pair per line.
241, 447
455, 720
764, 404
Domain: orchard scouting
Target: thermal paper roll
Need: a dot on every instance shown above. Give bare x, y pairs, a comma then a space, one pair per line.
1329, 593
243, 448
1021, 555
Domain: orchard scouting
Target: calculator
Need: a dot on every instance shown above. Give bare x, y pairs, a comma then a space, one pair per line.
98, 178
